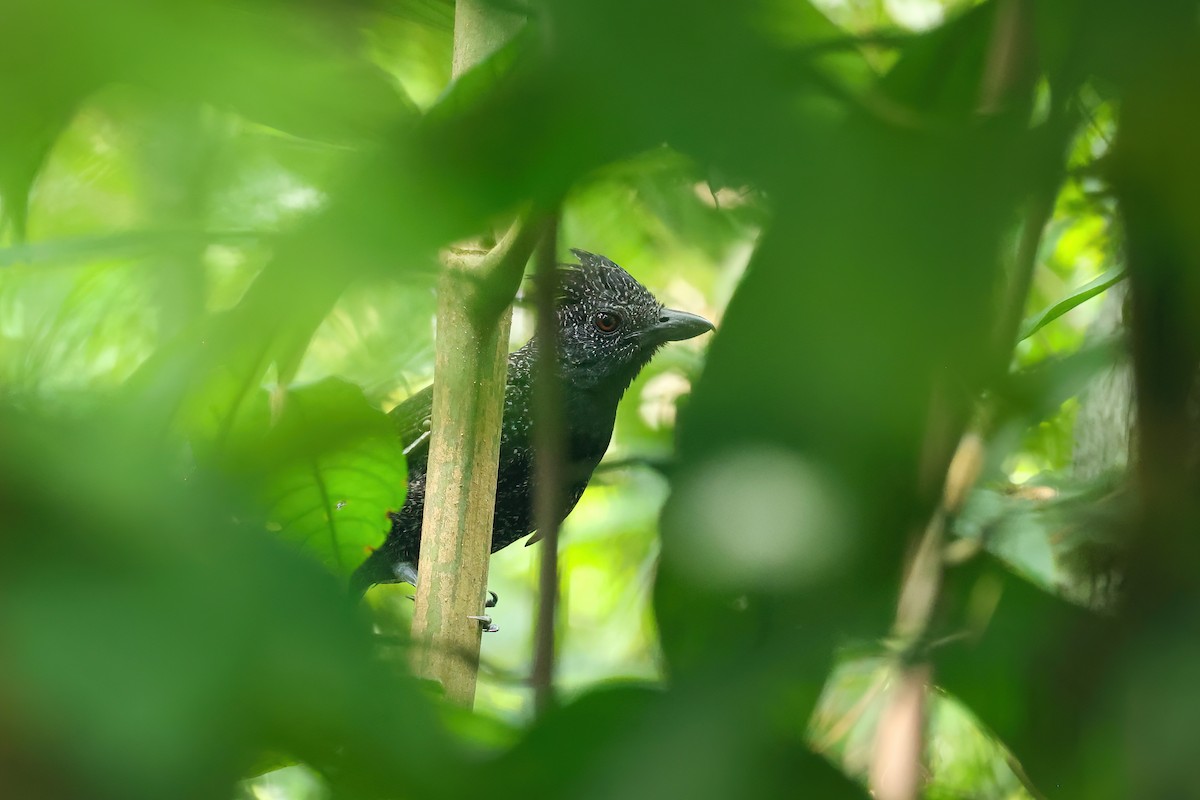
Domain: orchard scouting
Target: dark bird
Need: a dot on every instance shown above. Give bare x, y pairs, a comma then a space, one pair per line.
609, 327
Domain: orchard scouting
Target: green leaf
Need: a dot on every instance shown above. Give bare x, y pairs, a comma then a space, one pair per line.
334, 470
1057, 534
1036, 322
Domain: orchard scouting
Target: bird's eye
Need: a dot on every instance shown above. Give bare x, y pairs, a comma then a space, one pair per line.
607, 321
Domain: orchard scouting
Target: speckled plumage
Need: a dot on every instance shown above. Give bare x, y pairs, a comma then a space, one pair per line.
595, 367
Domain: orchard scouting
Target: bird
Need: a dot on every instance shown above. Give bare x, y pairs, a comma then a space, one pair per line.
609, 326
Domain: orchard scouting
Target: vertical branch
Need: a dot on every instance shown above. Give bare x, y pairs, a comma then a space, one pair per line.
468, 405
464, 451
550, 458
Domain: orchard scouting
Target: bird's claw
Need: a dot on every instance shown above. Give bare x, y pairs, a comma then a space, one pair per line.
485, 622
407, 573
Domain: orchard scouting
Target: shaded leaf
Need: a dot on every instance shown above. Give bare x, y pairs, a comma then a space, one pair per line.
1039, 391
1015, 528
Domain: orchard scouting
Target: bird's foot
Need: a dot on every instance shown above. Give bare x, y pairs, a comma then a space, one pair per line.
407, 573
485, 622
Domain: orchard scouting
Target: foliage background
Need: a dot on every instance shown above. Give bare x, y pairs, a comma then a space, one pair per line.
222, 222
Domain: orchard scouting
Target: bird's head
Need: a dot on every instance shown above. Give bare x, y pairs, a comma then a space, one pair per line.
610, 325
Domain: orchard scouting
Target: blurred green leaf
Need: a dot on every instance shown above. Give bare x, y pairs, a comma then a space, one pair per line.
115, 246
153, 648
437, 14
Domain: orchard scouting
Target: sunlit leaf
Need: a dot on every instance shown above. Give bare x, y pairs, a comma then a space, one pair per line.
337, 468
1041, 319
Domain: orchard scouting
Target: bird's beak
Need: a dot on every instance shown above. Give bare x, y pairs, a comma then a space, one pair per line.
675, 326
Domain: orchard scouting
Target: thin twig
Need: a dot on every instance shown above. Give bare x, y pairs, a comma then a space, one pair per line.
548, 437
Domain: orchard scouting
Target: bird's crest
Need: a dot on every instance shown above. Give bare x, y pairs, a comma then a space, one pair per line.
596, 276
587, 259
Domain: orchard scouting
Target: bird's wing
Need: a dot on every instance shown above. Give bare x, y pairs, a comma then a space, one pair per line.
411, 419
